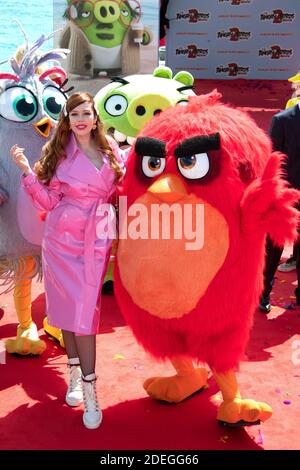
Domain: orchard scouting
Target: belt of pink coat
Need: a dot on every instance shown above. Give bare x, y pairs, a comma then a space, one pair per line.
89, 240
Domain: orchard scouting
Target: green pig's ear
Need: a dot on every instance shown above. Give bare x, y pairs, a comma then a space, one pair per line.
66, 14
184, 77
163, 72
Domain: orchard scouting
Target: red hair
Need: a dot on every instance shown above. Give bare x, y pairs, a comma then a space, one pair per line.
54, 151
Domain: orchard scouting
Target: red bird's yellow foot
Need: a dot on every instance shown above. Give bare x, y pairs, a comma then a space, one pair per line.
26, 342
55, 333
239, 412
176, 388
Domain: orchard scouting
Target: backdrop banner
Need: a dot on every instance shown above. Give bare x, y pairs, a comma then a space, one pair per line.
234, 38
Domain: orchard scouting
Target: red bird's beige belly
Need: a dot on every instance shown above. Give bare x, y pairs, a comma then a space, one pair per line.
163, 268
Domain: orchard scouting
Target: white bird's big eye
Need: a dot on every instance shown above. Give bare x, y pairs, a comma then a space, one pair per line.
53, 101
194, 166
18, 104
116, 105
153, 166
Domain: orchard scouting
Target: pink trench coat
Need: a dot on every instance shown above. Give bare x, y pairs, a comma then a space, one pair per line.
74, 259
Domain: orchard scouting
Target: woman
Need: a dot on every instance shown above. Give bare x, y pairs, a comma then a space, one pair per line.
77, 172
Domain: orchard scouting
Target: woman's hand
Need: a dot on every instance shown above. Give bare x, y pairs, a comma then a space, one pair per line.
20, 159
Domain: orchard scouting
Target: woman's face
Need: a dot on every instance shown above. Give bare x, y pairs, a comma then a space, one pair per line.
82, 119
297, 89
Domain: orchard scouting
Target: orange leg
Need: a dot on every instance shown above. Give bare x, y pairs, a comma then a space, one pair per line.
176, 388
27, 340
234, 410
56, 333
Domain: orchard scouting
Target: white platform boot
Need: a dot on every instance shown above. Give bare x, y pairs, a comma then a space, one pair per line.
74, 394
92, 415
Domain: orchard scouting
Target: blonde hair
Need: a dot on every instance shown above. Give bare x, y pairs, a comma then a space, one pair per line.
54, 150
296, 87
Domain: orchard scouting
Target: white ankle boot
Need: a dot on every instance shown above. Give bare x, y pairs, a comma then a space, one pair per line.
92, 415
74, 393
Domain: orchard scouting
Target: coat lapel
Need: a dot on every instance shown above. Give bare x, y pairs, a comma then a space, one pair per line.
82, 169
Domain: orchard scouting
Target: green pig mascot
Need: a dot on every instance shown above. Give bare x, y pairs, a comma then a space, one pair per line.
127, 104
104, 36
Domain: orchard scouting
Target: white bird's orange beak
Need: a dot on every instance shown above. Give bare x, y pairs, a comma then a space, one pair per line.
43, 127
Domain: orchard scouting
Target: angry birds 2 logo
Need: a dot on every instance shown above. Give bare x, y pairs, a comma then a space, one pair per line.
234, 34
276, 52
191, 51
278, 16
233, 69
235, 2
193, 15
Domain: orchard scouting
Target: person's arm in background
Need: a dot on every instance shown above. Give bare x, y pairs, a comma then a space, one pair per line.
277, 134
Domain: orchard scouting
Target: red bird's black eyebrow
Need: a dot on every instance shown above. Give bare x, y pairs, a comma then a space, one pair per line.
197, 144
150, 147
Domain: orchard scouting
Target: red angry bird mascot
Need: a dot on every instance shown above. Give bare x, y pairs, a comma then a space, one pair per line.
206, 172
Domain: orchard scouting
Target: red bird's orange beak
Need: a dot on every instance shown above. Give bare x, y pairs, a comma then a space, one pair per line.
168, 188
43, 127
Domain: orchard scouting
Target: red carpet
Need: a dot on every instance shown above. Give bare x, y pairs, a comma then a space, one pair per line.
261, 98
32, 410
